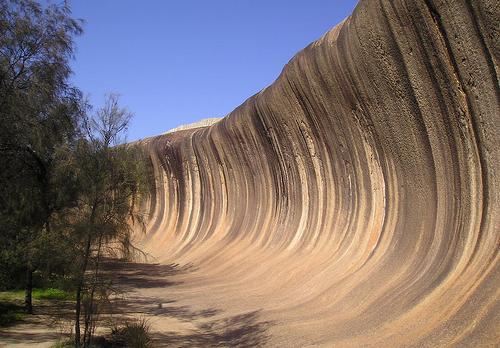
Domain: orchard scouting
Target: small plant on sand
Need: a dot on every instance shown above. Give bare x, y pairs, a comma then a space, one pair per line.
63, 344
133, 334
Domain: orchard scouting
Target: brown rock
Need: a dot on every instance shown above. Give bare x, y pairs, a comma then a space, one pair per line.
355, 201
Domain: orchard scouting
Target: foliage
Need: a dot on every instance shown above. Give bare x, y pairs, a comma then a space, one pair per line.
112, 178
69, 188
39, 111
39, 117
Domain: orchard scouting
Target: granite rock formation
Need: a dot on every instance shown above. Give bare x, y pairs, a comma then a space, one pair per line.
355, 201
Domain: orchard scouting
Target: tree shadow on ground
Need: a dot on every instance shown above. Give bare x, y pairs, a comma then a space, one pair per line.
47, 325
136, 275
212, 328
22, 337
159, 307
244, 330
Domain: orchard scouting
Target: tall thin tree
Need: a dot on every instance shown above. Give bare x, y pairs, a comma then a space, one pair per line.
112, 176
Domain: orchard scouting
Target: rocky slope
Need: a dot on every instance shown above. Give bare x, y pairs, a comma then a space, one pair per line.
355, 201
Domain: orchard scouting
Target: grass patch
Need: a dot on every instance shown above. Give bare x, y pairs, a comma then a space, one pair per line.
12, 303
38, 294
13, 295
51, 294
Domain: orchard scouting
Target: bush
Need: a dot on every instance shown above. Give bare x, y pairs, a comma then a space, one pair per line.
135, 334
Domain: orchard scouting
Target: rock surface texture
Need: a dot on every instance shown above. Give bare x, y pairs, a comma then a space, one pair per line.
355, 201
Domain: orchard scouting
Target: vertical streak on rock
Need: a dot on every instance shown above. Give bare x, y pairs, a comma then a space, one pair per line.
356, 199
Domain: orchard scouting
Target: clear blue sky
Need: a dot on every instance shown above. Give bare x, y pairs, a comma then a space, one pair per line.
176, 62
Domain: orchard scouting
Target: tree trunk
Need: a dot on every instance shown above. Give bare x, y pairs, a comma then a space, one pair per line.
28, 289
77, 316
79, 289
88, 331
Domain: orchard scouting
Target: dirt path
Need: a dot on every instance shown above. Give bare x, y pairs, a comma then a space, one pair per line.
43, 329
175, 321
149, 292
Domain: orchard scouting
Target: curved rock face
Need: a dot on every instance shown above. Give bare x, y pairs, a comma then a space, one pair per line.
355, 201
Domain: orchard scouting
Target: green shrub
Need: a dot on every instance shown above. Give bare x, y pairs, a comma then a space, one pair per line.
51, 294
135, 334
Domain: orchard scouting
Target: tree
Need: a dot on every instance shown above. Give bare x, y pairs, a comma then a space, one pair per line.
39, 116
112, 177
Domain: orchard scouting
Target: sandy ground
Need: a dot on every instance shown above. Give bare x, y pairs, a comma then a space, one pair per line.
145, 295
154, 292
42, 329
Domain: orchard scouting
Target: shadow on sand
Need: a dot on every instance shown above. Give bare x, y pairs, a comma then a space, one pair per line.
134, 275
213, 329
243, 330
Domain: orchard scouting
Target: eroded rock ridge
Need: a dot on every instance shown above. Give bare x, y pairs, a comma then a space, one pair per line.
355, 201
